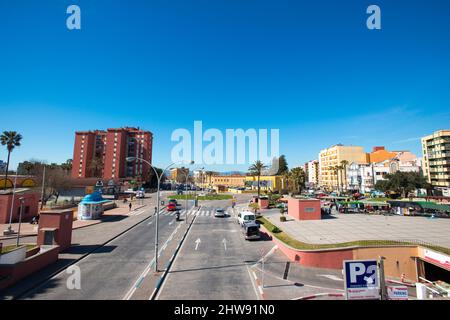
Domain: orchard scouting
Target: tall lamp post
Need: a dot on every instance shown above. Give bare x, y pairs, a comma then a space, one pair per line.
22, 200
159, 177
10, 230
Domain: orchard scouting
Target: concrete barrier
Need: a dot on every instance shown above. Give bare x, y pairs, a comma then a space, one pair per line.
11, 273
14, 256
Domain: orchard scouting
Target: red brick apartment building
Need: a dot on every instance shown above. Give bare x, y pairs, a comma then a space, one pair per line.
109, 150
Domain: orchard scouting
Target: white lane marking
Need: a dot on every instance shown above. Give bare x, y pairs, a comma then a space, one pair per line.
150, 223
260, 290
171, 222
197, 242
258, 297
173, 264
224, 241
330, 276
254, 275
271, 251
267, 273
130, 292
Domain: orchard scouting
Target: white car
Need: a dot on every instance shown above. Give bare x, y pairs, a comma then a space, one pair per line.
245, 217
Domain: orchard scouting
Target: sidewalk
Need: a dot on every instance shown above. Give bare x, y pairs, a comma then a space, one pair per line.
27, 229
338, 228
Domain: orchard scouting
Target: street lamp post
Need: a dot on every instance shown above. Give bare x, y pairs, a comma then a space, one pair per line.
159, 177
9, 230
22, 200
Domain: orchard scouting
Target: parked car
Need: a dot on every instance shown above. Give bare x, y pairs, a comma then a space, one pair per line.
220, 213
245, 217
251, 231
171, 206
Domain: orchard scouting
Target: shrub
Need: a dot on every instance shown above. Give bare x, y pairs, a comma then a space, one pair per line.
276, 230
283, 219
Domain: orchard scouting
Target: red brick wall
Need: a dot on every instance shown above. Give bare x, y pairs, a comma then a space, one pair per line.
24, 268
61, 220
320, 259
86, 156
31, 201
298, 209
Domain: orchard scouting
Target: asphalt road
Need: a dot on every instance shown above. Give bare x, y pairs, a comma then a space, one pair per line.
214, 260
110, 271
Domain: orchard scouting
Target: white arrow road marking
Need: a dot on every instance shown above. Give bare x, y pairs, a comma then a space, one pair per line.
197, 242
224, 241
330, 276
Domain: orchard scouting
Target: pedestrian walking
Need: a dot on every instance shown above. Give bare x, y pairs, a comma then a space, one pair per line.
129, 206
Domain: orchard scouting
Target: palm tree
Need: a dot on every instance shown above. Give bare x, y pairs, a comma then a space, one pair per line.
10, 139
285, 177
209, 174
344, 164
256, 170
335, 169
299, 177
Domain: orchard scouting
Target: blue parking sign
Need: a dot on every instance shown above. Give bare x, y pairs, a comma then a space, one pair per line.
361, 279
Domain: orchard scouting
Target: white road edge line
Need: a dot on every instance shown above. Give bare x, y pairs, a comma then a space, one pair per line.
173, 263
258, 297
147, 269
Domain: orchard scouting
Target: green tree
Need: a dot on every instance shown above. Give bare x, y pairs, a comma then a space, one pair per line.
344, 164
256, 170
10, 139
67, 166
286, 177
282, 165
28, 167
336, 170
402, 183
299, 178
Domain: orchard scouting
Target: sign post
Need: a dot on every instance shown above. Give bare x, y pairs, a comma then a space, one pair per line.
361, 280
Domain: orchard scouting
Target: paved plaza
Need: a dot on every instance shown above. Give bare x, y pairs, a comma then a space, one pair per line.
351, 227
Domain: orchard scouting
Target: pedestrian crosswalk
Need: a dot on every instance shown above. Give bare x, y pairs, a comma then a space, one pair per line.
201, 213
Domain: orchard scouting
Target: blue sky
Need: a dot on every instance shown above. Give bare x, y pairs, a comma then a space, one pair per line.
311, 69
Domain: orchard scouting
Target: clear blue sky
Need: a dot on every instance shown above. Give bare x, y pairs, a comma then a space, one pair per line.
310, 68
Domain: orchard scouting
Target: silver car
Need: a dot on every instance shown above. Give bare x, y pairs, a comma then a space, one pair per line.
220, 213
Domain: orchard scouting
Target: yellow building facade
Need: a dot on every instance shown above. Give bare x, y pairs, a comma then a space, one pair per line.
332, 157
436, 158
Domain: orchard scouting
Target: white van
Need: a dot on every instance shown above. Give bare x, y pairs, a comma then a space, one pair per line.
245, 217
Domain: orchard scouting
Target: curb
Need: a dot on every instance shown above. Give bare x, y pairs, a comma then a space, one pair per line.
328, 294
172, 259
39, 283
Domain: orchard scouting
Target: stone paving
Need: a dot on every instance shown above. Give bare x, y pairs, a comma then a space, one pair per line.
350, 227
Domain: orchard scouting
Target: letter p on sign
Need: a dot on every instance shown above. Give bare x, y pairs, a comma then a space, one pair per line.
356, 269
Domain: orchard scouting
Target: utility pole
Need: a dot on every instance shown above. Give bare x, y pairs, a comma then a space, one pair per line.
43, 188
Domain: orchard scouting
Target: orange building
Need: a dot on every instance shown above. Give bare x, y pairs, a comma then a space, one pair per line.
380, 154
